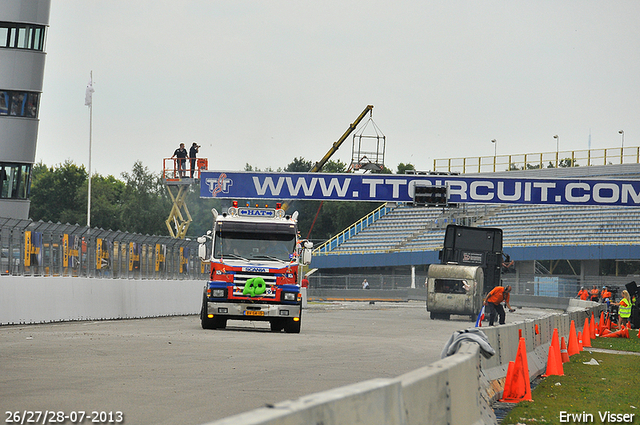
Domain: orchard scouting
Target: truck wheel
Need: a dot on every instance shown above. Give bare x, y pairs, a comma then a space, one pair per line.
277, 325
219, 323
204, 320
292, 327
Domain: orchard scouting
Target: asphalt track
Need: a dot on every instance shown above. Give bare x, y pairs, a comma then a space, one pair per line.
170, 371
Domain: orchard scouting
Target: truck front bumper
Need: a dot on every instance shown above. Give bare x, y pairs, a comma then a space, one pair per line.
254, 311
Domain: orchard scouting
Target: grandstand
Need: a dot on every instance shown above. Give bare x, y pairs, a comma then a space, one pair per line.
407, 237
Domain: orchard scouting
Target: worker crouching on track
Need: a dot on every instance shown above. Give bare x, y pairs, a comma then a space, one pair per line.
493, 302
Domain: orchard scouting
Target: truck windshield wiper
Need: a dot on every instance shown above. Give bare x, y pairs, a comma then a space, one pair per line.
239, 257
269, 257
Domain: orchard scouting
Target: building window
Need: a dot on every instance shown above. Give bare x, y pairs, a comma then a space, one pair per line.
21, 36
15, 181
19, 103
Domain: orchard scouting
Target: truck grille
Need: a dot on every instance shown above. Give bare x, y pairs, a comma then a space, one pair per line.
240, 279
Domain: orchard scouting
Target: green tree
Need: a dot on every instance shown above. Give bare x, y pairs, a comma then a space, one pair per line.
107, 201
334, 167
55, 193
299, 165
146, 202
402, 167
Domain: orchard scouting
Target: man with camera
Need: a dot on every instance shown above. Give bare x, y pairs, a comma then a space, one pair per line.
193, 151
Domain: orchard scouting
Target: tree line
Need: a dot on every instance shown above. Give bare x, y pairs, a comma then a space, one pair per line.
138, 202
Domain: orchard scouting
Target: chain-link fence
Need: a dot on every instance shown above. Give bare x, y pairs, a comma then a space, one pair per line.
375, 281
48, 249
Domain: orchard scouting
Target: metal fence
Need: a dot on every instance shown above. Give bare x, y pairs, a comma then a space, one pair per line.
53, 249
376, 281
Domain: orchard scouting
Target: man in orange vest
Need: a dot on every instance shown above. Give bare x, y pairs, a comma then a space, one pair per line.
594, 294
493, 302
605, 295
583, 294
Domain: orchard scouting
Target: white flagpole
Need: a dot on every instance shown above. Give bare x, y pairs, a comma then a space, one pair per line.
88, 101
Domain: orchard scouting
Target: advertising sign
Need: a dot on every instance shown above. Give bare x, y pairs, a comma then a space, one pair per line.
401, 188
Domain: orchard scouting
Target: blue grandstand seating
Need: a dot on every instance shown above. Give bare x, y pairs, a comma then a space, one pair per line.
408, 228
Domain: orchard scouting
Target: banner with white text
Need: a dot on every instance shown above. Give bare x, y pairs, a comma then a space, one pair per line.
400, 188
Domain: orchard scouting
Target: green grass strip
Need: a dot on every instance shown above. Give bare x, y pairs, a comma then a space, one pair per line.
591, 392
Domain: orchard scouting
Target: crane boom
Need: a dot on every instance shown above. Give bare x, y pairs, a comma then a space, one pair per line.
318, 167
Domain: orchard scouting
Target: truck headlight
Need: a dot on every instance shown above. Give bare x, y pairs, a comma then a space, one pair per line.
289, 296
217, 293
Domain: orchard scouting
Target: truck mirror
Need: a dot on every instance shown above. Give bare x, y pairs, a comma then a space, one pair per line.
306, 256
202, 239
308, 244
202, 251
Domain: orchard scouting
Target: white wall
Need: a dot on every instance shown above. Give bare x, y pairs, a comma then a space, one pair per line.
52, 299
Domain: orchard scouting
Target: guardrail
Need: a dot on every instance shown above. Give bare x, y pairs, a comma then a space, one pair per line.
529, 161
354, 229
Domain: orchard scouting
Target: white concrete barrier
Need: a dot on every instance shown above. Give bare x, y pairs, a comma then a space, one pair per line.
374, 402
53, 299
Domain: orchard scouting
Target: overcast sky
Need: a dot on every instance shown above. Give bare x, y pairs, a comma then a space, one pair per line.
264, 82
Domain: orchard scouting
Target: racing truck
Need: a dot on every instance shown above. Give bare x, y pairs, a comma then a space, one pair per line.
470, 266
256, 257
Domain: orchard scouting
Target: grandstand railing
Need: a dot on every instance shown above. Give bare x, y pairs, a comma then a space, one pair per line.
576, 158
32, 248
354, 229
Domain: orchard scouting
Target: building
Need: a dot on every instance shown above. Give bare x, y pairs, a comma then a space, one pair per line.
23, 29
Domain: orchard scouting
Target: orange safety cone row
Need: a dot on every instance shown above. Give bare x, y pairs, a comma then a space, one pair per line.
517, 386
592, 327
552, 364
564, 354
586, 335
572, 347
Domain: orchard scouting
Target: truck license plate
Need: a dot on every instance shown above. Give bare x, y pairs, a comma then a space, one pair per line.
253, 313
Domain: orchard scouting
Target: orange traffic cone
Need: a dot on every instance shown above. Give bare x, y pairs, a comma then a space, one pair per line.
622, 333
564, 355
572, 347
592, 327
552, 364
517, 386
601, 323
639, 333
586, 336
605, 332
580, 346
555, 343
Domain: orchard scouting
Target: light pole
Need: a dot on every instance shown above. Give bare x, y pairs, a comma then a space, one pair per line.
495, 150
557, 150
621, 132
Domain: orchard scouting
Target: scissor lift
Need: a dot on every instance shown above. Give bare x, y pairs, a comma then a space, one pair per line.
177, 184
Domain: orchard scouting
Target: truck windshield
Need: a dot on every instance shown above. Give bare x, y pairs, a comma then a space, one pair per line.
252, 246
